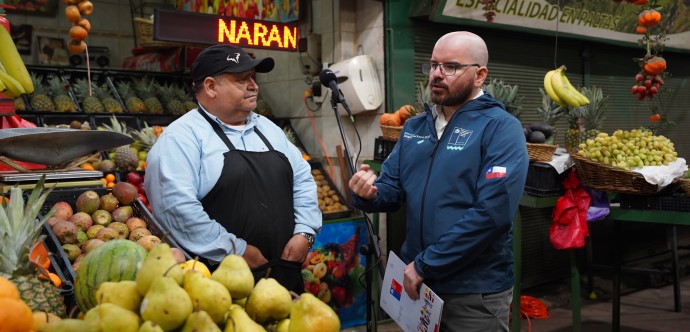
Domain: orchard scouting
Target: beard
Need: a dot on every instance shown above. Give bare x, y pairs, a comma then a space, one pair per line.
454, 98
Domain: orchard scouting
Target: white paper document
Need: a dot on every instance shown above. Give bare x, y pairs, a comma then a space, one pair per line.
423, 314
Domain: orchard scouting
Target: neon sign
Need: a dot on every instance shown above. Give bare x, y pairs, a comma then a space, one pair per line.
194, 28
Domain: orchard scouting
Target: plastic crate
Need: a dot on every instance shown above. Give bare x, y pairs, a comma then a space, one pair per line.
640, 202
543, 180
70, 196
382, 148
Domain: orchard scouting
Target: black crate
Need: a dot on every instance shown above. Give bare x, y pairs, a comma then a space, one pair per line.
338, 214
382, 148
70, 195
543, 180
640, 202
60, 265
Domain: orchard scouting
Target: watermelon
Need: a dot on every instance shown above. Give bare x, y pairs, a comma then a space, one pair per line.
115, 260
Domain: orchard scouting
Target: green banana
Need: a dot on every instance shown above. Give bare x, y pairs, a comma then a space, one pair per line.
14, 88
561, 88
549, 88
9, 56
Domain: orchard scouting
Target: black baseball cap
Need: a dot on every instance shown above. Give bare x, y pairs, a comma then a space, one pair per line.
225, 58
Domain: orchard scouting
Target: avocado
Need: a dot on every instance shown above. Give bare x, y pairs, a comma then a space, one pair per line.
543, 127
536, 137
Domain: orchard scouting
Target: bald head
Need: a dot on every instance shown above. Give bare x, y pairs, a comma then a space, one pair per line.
470, 45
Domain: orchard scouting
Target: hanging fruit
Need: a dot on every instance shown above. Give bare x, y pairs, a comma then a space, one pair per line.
649, 18
655, 65
76, 12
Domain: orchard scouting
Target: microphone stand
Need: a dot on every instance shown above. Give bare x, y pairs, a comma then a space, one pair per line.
371, 250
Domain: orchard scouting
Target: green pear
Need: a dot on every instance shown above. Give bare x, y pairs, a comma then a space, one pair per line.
150, 326
234, 273
166, 304
200, 321
269, 301
238, 320
281, 326
210, 295
160, 261
109, 317
311, 314
121, 293
240, 302
68, 325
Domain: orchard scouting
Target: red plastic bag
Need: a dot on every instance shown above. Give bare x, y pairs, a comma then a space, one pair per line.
569, 227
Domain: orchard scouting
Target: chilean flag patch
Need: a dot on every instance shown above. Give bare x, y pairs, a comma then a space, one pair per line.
495, 172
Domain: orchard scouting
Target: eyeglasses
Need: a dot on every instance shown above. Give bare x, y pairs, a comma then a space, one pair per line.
447, 69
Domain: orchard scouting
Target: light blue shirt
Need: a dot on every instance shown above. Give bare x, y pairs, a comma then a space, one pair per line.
185, 164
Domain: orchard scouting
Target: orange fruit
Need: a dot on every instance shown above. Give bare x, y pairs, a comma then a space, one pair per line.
78, 33
15, 315
8, 289
391, 119
110, 184
76, 46
72, 14
104, 181
110, 177
42, 318
87, 166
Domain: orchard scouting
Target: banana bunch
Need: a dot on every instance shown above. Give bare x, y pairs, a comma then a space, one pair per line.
14, 78
558, 87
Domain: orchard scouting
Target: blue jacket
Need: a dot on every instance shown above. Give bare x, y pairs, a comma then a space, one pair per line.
461, 192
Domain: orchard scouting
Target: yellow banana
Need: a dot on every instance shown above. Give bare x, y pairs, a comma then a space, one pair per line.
580, 97
14, 88
562, 90
2, 89
9, 56
549, 88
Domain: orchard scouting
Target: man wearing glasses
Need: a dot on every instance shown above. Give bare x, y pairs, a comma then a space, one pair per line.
460, 170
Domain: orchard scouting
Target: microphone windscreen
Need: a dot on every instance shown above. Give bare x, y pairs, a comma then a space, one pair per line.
327, 76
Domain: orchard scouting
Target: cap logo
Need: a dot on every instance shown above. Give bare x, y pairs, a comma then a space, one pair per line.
236, 59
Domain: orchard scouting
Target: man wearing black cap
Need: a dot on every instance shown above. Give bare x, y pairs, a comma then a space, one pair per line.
223, 178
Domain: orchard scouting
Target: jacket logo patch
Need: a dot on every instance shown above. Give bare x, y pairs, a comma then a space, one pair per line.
458, 139
496, 172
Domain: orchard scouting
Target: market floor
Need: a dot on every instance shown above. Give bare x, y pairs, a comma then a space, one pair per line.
646, 310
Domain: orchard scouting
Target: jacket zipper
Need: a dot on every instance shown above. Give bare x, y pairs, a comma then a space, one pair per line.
426, 183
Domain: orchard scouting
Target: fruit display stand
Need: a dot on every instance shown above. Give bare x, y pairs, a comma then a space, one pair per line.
105, 83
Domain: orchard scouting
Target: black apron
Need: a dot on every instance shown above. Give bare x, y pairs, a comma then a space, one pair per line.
253, 200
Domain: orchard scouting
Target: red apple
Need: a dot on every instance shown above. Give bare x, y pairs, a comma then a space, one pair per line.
141, 188
133, 178
143, 199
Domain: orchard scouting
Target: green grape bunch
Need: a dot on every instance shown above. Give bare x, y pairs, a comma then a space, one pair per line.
629, 149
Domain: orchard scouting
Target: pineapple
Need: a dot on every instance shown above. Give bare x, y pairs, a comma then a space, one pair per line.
58, 90
145, 138
40, 101
572, 135
126, 158
90, 104
506, 94
110, 104
19, 104
20, 232
133, 103
593, 113
262, 107
423, 95
169, 94
550, 113
188, 101
146, 89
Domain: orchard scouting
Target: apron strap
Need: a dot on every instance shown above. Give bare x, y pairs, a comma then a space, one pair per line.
217, 129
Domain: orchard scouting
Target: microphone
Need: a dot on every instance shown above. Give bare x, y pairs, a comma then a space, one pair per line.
328, 78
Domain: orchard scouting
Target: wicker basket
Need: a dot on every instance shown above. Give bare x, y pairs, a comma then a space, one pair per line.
595, 175
391, 133
144, 33
684, 183
540, 152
